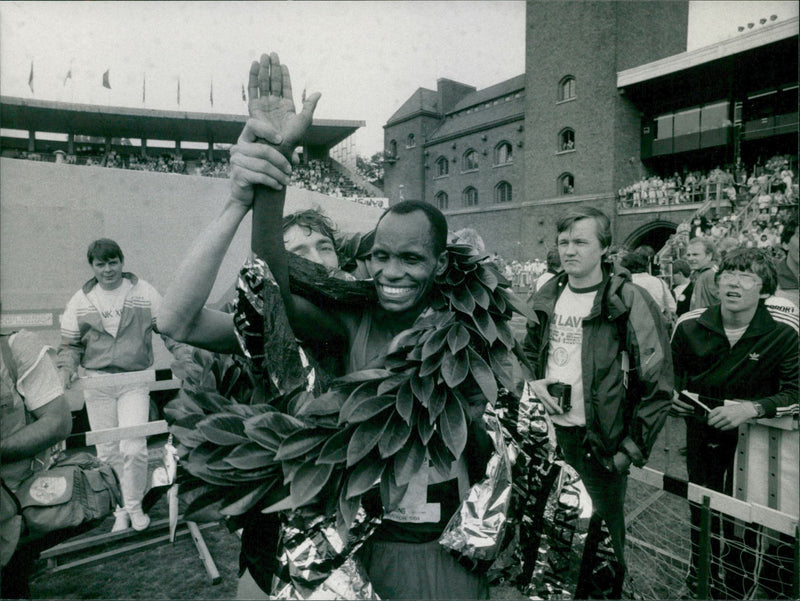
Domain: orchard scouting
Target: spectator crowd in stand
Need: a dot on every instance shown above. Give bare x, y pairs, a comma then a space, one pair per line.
730, 187
316, 175
763, 226
208, 168
319, 176
766, 201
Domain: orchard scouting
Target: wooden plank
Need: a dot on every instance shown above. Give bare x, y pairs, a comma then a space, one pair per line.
781, 521
120, 379
741, 474
86, 542
774, 474
785, 422
116, 434
767, 469
648, 475
121, 550
205, 554
789, 454
774, 519
40, 319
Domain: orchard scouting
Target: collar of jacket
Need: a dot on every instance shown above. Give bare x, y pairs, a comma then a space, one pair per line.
787, 279
713, 266
87, 287
609, 296
761, 323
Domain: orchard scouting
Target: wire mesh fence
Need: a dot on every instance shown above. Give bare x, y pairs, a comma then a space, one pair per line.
672, 551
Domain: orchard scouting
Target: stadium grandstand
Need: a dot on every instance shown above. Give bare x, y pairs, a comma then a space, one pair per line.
163, 141
641, 128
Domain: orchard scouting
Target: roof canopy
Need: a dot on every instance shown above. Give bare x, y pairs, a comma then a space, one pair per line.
762, 59
121, 122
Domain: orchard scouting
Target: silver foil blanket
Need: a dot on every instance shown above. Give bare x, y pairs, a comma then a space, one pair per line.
550, 550
349, 581
530, 434
555, 572
316, 562
263, 331
475, 531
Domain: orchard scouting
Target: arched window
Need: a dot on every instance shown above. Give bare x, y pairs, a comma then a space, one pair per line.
503, 153
410, 142
442, 200
502, 192
469, 197
566, 184
442, 166
392, 150
566, 140
470, 160
566, 88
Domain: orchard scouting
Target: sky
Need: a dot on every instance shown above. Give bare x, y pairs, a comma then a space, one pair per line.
366, 58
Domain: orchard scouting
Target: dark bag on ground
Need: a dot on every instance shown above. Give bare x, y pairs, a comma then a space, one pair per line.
10, 523
77, 489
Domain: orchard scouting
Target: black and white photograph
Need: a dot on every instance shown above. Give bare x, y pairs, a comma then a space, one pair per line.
360, 300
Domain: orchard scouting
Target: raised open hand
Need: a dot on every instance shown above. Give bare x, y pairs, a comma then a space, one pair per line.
271, 101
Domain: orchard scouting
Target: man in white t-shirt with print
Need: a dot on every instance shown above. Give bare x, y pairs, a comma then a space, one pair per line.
107, 328
604, 337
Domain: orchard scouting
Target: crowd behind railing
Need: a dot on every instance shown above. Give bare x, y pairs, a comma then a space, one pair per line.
319, 176
774, 183
316, 175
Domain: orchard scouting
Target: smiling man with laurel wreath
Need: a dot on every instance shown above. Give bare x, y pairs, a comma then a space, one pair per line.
403, 558
427, 345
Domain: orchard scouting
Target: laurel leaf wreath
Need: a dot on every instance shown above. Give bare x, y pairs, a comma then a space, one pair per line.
370, 428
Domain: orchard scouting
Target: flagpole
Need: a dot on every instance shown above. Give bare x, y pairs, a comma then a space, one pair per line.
107, 85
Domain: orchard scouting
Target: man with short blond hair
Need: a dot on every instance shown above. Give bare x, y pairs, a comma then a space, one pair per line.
604, 337
107, 328
700, 256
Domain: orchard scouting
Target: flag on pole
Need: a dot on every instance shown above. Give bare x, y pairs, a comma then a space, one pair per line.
67, 76
179, 91
106, 80
211, 93
30, 78
244, 96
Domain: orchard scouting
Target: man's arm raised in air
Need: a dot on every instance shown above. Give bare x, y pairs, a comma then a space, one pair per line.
271, 102
183, 315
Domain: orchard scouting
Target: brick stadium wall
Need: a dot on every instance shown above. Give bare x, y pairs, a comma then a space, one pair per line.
597, 39
50, 213
585, 30
407, 170
488, 174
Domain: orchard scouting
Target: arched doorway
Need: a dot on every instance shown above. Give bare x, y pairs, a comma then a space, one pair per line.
653, 234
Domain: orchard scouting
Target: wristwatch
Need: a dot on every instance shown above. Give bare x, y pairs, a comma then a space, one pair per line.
760, 411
